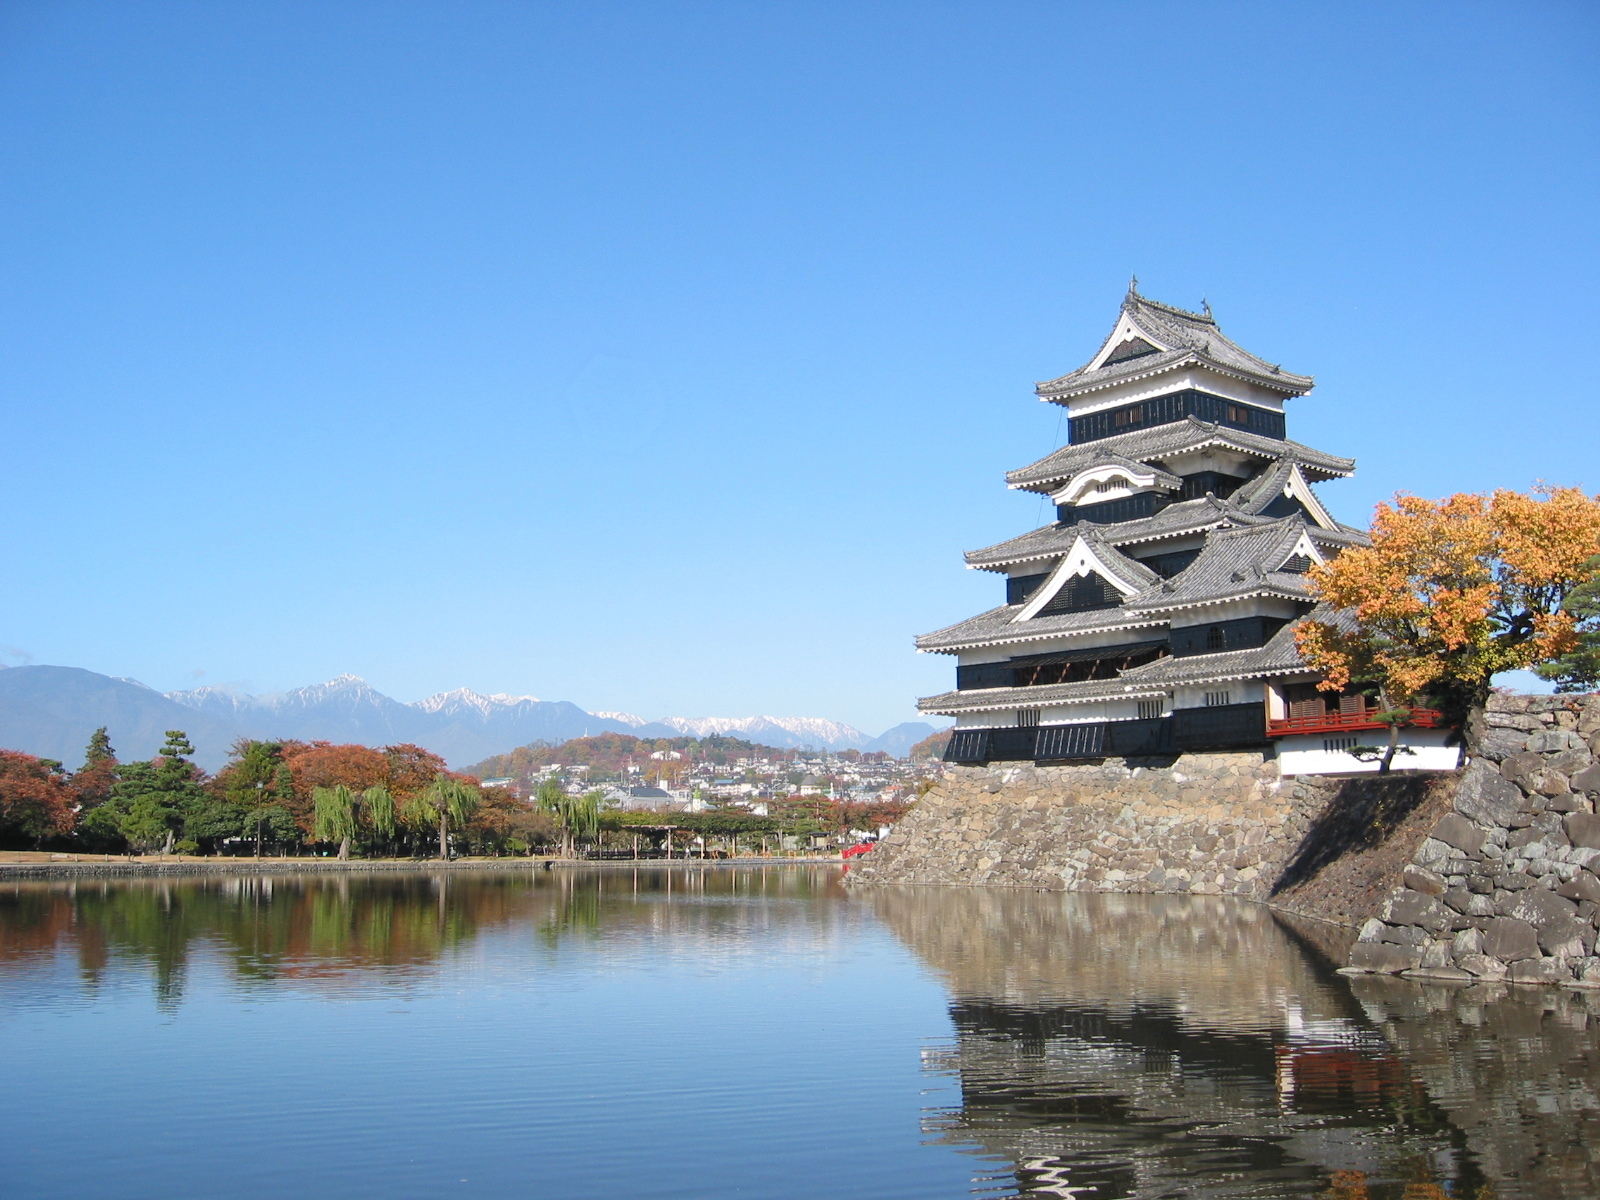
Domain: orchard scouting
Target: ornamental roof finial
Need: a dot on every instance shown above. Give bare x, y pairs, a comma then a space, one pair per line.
1133, 286
1205, 306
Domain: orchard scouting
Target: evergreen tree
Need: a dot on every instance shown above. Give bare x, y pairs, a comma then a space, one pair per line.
1578, 670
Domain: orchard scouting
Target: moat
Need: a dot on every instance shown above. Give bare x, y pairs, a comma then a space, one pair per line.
754, 1032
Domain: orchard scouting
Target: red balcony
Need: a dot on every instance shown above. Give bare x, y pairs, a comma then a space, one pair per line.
1347, 718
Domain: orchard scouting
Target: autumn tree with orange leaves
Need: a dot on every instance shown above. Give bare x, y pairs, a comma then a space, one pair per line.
1449, 594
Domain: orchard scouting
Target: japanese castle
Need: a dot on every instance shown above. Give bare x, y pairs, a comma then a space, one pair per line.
1155, 614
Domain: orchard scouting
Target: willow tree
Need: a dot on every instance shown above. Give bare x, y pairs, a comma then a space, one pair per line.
334, 816
341, 813
377, 805
444, 800
576, 816
1449, 594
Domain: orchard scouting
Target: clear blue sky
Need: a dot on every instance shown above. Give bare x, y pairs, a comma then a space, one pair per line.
666, 356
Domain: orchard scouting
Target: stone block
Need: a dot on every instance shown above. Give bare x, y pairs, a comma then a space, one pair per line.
1437, 953
1548, 782
1485, 796
1441, 974
1553, 741
1481, 966
1384, 957
1539, 970
1538, 906
1407, 907
1371, 930
1510, 940
1586, 780
1498, 744
1481, 906
1518, 768
1583, 886
1566, 803
1458, 898
1582, 829
1567, 938
1512, 881
1468, 941
1482, 885
1421, 880
1506, 702
1455, 830
1507, 720
1569, 762
1405, 935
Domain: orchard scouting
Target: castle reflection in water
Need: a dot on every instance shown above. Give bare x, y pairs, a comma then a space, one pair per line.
1112, 1046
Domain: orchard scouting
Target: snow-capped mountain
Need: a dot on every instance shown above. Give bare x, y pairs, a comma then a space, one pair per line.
467, 700
52, 711
625, 718
773, 731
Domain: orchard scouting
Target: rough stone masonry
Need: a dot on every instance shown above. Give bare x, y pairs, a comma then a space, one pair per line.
1490, 874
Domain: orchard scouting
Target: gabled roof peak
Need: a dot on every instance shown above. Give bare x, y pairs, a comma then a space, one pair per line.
1168, 339
1133, 302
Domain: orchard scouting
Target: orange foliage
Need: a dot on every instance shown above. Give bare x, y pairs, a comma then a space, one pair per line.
35, 801
1452, 592
323, 764
411, 768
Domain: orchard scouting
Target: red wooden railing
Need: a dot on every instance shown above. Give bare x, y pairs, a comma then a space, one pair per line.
1333, 722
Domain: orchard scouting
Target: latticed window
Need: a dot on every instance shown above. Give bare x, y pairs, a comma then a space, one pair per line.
1338, 743
1082, 592
1216, 638
1297, 564
1149, 710
1218, 699
1027, 718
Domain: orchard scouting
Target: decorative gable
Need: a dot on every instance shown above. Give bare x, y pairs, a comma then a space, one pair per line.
1301, 559
1127, 341
1083, 580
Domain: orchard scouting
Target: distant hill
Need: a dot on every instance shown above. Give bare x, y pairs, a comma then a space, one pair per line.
799, 733
931, 746
51, 711
609, 752
900, 740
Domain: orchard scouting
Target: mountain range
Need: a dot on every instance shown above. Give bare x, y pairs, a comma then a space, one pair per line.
51, 711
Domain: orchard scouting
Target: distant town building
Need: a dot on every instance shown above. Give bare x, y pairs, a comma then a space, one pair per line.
1156, 613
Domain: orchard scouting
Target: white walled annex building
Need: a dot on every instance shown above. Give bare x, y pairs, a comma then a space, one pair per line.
1156, 613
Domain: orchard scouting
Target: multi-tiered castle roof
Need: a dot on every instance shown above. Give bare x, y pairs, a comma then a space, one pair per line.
1156, 613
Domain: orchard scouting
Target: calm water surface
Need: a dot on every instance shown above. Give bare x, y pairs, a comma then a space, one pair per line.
753, 1033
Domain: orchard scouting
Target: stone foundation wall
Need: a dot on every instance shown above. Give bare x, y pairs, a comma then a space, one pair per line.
1491, 873
1208, 824
1507, 884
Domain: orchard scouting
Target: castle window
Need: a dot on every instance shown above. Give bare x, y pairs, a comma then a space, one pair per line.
1338, 744
1150, 710
1297, 564
1218, 699
1028, 718
1080, 593
1216, 638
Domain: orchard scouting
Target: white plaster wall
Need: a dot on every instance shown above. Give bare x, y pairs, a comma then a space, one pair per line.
1304, 755
1240, 691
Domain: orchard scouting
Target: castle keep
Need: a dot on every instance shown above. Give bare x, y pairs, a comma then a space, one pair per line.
1155, 614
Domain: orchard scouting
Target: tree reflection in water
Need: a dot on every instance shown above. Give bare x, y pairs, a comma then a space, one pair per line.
379, 927
1111, 1046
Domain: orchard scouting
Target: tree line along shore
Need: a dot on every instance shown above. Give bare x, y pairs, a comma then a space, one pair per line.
303, 799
